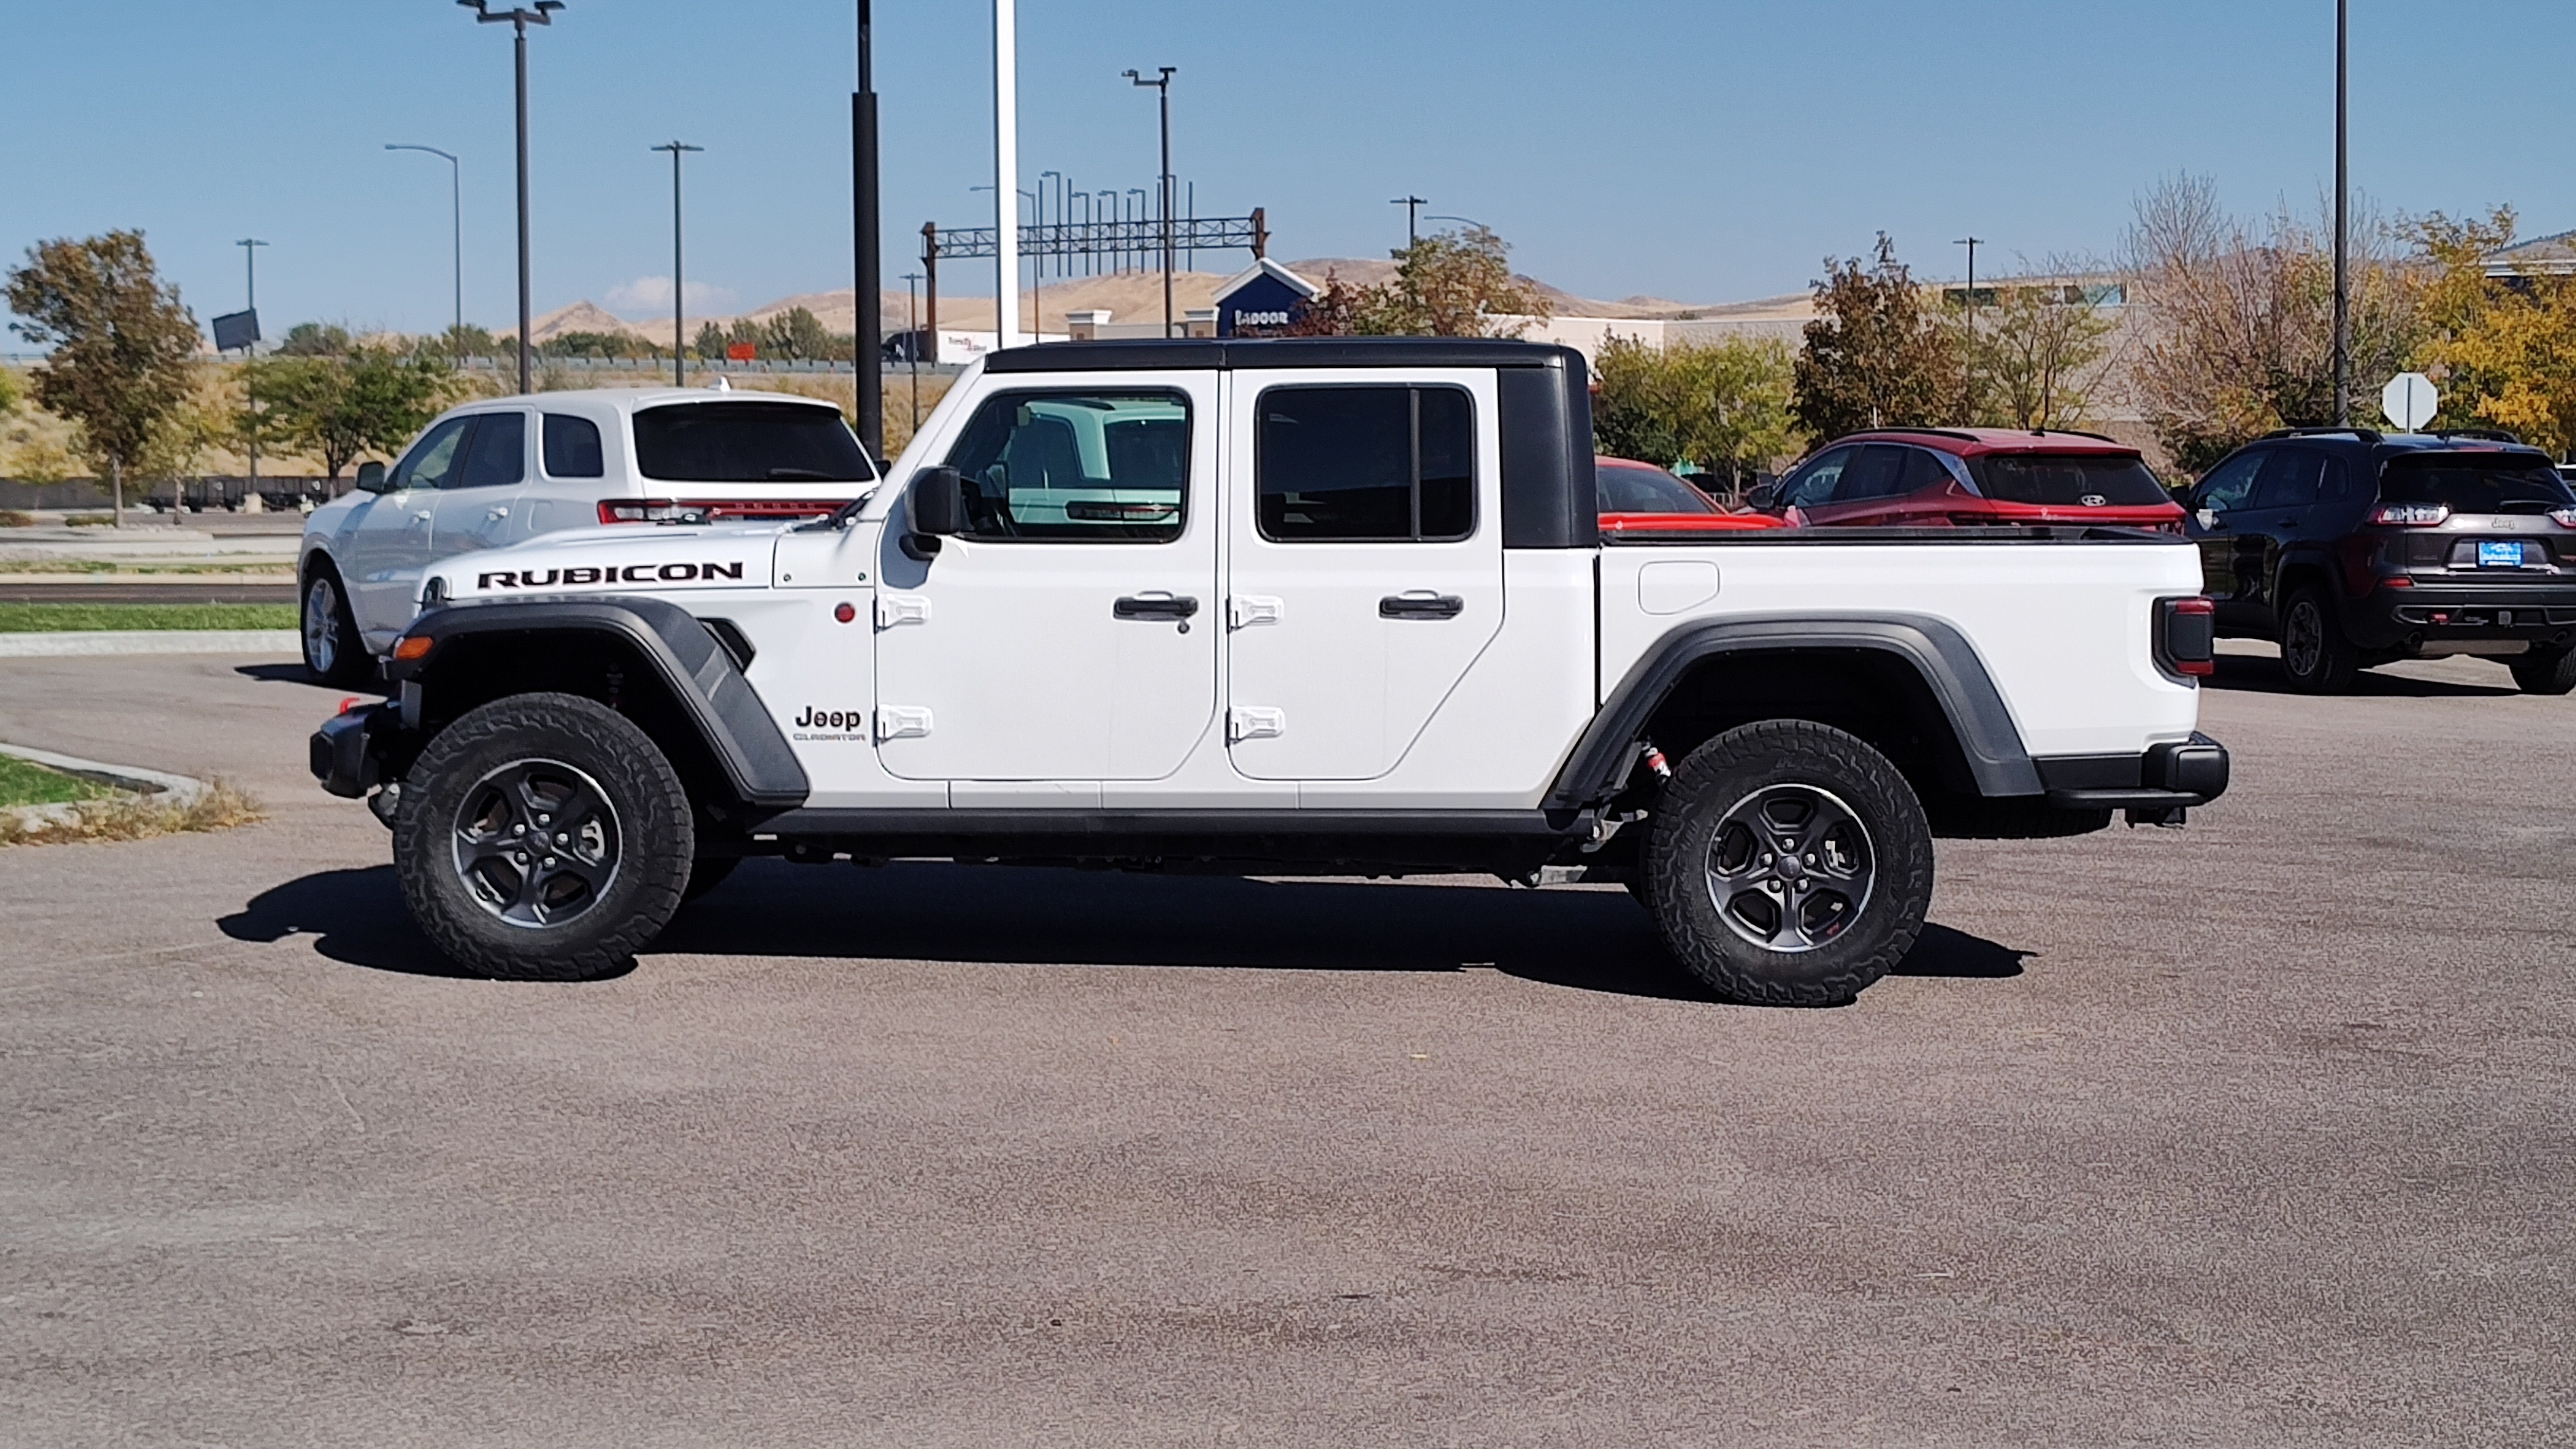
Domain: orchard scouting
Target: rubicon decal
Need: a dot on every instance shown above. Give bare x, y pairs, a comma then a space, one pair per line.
669, 573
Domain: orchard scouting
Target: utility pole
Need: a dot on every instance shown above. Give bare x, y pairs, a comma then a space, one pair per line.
2342, 237
867, 326
250, 246
679, 294
1163, 183
1006, 173
1412, 217
1970, 358
521, 19
456, 226
912, 330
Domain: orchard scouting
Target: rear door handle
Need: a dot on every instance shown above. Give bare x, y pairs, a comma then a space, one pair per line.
1422, 605
1155, 606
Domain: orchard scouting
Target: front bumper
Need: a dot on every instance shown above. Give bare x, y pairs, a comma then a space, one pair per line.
2175, 775
347, 753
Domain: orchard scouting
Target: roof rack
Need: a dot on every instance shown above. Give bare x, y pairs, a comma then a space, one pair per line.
2367, 435
2077, 433
1928, 432
2492, 435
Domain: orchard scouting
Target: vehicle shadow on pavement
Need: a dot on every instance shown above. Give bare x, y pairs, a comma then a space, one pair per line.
356, 917
2257, 674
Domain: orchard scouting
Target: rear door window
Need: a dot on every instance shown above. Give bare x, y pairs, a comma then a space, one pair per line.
1373, 464
2473, 483
498, 455
748, 442
1878, 472
2290, 479
2086, 480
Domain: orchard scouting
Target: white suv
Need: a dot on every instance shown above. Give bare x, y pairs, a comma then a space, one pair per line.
499, 472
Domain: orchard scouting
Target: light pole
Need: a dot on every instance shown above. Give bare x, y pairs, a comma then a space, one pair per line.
1134, 215
679, 298
1163, 183
521, 19
456, 226
1042, 221
250, 246
2342, 240
867, 323
1412, 213
1970, 359
912, 346
1006, 173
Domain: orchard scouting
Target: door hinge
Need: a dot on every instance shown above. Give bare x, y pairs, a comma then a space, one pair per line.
1255, 723
1243, 610
902, 722
893, 609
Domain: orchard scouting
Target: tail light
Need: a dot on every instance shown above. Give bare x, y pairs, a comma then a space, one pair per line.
2187, 635
649, 510
2563, 517
2410, 515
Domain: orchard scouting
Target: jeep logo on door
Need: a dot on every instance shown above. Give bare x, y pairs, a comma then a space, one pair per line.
669, 573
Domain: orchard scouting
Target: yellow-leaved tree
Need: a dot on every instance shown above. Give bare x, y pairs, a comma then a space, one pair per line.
2501, 348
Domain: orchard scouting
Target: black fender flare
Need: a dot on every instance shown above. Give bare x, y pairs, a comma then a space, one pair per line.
1936, 650
727, 712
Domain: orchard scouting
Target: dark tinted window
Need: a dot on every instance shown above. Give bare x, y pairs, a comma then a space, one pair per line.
748, 442
1634, 488
2231, 483
2474, 483
497, 455
1878, 472
1080, 467
572, 448
1815, 483
1367, 463
2290, 480
432, 458
2074, 479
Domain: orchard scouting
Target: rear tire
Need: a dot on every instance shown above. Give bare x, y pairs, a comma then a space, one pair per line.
332, 649
543, 837
2551, 672
2315, 656
1809, 925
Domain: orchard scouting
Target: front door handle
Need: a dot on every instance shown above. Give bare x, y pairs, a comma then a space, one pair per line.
1421, 605
1155, 606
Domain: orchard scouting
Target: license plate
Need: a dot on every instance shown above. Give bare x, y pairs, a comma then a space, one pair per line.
2495, 555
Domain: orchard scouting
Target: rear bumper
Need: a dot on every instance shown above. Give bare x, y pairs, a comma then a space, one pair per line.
2532, 613
2172, 776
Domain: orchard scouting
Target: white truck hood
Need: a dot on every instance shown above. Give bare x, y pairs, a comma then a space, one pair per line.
623, 558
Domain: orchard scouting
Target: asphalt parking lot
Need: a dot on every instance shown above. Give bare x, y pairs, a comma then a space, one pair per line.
2262, 1132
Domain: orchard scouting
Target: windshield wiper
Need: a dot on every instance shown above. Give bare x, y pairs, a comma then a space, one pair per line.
810, 475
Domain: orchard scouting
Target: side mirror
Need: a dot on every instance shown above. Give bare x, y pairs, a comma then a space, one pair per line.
937, 499
1763, 497
371, 478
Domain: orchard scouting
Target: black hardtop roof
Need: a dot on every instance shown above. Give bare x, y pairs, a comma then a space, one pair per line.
1187, 354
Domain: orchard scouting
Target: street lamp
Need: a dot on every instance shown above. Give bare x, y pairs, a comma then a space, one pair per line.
1163, 183
1469, 220
250, 246
1042, 221
2342, 237
912, 344
1006, 173
520, 19
867, 322
456, 223
1412, 216
679, 299
1971, 243
1135, 215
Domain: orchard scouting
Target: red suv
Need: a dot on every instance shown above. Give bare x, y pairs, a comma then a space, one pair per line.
1961, 477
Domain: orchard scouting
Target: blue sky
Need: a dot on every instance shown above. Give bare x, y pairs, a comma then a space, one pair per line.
1707, 151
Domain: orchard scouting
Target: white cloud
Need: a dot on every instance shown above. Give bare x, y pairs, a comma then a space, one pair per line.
653, 295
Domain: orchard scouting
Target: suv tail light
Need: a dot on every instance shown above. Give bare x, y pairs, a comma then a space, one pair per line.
2563, 517
649, 510
2410, 515
2187, 635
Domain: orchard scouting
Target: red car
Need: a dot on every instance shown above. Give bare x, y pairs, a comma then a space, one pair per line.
1640, 498
1963, 477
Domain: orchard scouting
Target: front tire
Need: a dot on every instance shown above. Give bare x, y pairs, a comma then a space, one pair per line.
2315, 656
543, 837
332, 649
1791, 864
2550, 671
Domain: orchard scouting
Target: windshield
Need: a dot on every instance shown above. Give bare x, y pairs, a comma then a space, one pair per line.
1636, 488
2475, 483
2085, 480
748, 442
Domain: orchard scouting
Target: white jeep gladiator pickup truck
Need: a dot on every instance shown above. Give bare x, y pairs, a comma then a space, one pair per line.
1325, 606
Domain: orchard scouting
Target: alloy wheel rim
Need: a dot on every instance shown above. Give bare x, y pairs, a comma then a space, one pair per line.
2302, 638
322, 624
1790, 867
536, 843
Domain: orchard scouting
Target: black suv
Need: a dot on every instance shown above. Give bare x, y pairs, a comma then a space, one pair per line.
2355, 548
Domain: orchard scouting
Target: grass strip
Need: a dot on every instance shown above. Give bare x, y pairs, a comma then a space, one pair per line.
131, 817
24, 782
64, 618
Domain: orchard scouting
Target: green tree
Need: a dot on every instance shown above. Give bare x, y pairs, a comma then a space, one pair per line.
598, 344
1874, 357
710, 343
334, 409
1721, 406
10, 392
122, 342
1449, 284
2036, 354
315, 339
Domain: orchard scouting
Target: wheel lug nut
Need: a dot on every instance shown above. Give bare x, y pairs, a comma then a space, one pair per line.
560, 838
550, 862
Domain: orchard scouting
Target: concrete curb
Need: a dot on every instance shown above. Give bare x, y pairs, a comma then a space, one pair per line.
180, 790
79, 642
